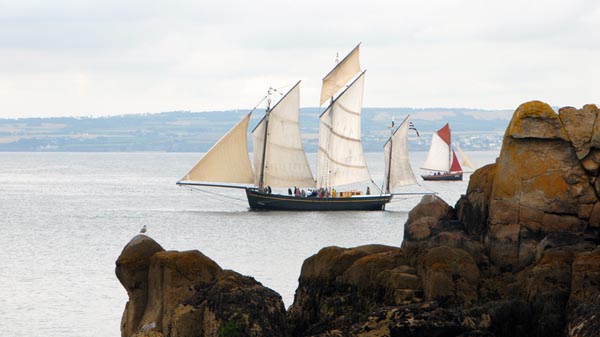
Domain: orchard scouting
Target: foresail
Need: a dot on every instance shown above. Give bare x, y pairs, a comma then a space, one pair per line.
227, 161
286, 163
397, 162
438, 158
340, 156
340, 75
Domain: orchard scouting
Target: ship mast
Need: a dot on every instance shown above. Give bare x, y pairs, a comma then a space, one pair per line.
261, 180
389, 170
449, 151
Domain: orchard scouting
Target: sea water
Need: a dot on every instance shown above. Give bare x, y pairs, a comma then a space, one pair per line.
65, 218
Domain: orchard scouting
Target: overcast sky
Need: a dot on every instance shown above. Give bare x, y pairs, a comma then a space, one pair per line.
96, 58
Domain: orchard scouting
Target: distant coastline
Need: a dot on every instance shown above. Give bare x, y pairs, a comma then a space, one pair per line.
184, 131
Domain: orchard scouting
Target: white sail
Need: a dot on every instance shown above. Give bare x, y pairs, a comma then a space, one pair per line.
397, 163
340, 157
340, 75
465, 161
438, 158
227, 161
285, 160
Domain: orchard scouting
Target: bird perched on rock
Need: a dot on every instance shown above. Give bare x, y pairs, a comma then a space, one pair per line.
143, 230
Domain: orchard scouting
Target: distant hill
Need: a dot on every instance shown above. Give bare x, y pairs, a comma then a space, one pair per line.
184, 131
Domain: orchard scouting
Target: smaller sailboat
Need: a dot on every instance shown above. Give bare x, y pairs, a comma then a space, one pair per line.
442, 159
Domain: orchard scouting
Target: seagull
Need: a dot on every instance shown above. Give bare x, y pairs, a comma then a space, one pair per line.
143, 230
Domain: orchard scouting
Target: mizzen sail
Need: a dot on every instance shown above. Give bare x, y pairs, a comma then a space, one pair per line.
227, 161
455, 166
285, 160
397, 163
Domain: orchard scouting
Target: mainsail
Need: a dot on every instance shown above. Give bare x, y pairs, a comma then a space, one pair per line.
340, 157
227, 161
339, 76
285, 162
441, 157
398, 171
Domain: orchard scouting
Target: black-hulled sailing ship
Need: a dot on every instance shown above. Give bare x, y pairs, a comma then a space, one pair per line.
280, 160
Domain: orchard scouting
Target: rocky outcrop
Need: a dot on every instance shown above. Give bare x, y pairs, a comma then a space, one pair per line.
543, 187
338, 283
187, 294
132, 270
517, 256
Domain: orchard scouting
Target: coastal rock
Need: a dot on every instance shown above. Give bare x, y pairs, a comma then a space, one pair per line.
584, 300
337, 284
542, 189
546, 286
132, 271
172, 277
188, 294
430, 206
518, 257
536, 119
425, 221
450, 277
579, 125
473, 207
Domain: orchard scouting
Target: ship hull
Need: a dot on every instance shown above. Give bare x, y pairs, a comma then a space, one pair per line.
278, 202
449, 176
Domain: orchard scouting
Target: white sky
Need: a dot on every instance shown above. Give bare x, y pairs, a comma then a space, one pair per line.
106, 57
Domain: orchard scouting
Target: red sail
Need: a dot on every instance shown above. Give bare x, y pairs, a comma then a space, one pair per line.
444, 133
455, 167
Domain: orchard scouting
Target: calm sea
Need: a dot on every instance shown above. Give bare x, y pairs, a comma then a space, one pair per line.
67, 216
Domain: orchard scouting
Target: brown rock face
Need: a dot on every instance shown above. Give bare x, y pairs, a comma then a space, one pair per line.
584, 302
132, 271
473, 208
542, 187
338, 283
579, 125
172, 277
450, 277
518, 257
181, 294
536, 119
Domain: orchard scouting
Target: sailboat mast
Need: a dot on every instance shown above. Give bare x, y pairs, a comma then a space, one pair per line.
449, 149
389, 170
261, 180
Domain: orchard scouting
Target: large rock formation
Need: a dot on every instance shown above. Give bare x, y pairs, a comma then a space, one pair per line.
181, 294
543, 187
517, 256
